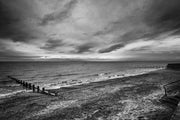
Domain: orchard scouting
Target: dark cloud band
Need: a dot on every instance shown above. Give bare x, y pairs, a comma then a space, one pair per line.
12, 24
111, 48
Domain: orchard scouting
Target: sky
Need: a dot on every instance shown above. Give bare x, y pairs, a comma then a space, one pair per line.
90, 30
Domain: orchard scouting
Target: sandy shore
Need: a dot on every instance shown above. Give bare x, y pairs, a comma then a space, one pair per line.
130, 98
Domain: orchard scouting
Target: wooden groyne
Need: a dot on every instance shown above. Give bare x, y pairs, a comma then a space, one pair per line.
32, 87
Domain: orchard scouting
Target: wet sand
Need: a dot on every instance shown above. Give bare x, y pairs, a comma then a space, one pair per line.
130, 98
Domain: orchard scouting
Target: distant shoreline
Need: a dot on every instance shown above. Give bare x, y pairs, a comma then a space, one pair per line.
84, 61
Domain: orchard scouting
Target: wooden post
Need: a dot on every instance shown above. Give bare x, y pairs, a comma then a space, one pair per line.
23, 83
38, 89
33, 88
43, 89
26, 85
17, 80
29, 85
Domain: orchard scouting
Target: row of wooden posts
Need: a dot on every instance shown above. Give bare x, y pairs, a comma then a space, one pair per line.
33, 87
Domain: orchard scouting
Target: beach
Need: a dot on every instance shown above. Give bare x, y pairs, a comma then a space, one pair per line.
89, 60
128, 98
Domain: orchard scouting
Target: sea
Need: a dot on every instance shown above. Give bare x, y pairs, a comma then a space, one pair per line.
55, 75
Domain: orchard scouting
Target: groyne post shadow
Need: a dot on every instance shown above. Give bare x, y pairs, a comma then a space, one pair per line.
33, 87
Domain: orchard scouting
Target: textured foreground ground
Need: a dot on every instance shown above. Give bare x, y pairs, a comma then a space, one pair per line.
131, 98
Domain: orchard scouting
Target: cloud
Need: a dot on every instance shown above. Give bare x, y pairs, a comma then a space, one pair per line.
59, 45
83, 48
163, 49
11, 51
14, 56
141, 49
16, 21
52, 44
111, 48
164, 14
58, 16
89, 27
144, 20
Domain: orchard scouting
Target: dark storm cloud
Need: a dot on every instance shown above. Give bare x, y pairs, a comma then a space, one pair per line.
59, 16
12, 21
83, 48
53, 44
111, 48
163, 15
158, 17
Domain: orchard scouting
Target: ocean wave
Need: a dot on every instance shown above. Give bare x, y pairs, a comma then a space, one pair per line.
68, 74
99, 77
4, 95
